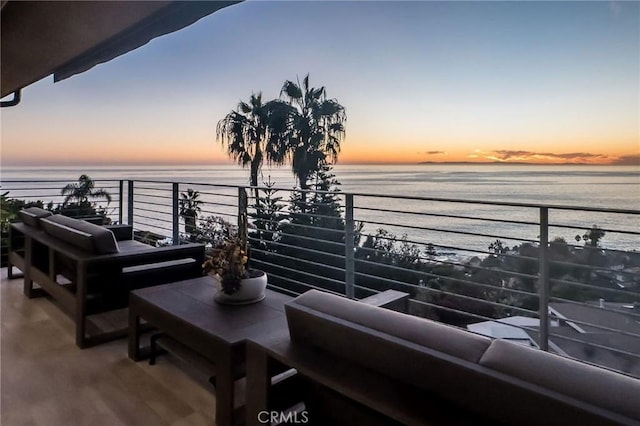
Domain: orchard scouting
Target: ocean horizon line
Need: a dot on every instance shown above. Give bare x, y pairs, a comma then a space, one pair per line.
421, 163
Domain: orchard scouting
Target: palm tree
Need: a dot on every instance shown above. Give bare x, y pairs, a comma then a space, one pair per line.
316, 129
254, 132
83, 190
189, 209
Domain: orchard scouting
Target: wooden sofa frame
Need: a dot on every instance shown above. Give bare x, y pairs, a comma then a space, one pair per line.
43, 259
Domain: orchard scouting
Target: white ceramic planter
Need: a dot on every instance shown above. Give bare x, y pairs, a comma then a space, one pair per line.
251, 290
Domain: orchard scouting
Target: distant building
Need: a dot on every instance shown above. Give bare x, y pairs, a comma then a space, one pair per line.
509, 328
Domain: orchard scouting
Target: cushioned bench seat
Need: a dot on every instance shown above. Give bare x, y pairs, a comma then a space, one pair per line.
101, 264
492, 381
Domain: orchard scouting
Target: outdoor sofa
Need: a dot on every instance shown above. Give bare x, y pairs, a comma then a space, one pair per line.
364, 365
89, 269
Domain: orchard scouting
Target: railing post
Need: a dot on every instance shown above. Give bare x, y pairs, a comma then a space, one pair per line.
120, 202
349, 261
176, 216
130, 202
543, 278
242, 216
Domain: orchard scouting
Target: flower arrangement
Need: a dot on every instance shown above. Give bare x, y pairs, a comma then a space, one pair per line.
228, 261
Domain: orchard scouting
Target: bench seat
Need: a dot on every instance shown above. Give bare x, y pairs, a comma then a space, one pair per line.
97, 264
357, 359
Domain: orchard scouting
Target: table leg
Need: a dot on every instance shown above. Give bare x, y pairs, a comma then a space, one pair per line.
81, 305
224, 388
28, 260
134, 333
258, 385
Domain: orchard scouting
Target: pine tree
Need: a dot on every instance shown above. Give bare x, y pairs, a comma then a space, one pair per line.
267, 216
316, 220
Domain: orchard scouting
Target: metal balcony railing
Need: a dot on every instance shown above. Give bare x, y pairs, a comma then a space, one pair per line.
510, 270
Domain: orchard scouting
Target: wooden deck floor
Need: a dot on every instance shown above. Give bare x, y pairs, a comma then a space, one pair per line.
46, 380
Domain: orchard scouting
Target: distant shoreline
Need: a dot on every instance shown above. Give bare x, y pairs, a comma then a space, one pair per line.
505, 163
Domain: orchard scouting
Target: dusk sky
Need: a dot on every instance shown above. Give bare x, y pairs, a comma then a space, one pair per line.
420, 81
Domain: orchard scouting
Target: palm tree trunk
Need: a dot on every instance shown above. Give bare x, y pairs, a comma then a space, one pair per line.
255, 168
304, 185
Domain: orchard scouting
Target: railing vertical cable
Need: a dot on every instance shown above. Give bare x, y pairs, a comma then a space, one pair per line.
120, 202
175, 216
130, 202
349, 230
543, 278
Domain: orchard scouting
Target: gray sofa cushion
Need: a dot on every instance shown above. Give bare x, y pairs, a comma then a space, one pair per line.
411, 350
31, 215
424, 332
81, 234
597, 386
131, 246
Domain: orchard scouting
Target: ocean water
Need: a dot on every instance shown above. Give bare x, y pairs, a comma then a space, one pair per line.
429, 221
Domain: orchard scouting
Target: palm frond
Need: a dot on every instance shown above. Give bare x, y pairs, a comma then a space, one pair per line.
244, 107
316, 128
305, 83
101, 193
69, 188
291, 90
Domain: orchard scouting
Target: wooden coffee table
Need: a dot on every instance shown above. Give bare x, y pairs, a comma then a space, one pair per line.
186, 312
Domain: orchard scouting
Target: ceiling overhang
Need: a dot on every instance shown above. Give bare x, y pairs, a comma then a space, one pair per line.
63, 38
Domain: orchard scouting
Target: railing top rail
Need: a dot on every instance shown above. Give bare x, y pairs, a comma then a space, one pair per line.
389, 196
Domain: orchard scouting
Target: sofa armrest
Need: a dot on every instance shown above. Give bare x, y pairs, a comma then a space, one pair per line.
150, 255
389, 299
121, 232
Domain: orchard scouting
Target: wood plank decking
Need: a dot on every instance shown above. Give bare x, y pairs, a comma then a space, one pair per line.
45, 379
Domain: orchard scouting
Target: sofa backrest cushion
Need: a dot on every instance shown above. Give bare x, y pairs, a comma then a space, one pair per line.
31, 216
81, 234
414, 351
424, 332
594, 385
